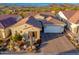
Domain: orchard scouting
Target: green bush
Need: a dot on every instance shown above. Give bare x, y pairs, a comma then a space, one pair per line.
17, 37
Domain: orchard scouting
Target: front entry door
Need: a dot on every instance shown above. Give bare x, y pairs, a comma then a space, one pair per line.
32, 35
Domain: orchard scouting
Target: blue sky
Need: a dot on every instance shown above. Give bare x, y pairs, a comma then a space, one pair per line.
27, 4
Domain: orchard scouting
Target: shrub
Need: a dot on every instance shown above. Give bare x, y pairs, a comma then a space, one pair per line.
17, 37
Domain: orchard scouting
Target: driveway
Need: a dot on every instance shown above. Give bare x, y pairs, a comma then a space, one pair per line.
57, 44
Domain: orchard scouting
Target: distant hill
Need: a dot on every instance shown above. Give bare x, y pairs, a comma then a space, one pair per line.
64, 5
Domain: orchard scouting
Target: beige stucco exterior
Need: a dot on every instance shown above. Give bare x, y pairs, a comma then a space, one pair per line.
39, 17
4, 33
74, 28
24, 29
71, 26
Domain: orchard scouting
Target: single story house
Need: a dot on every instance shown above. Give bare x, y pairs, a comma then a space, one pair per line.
6, 21
43, 15
71, 18
39, 17
51, 24
28, 27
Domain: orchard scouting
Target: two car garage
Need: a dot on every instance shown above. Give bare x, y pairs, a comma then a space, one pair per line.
53, 29
51, 24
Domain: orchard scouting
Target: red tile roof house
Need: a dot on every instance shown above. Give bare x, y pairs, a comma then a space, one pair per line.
51, 24
6, 21
71, 18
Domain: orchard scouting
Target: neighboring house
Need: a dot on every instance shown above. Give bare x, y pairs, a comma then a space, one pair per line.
28, 27
6, 21
71, 18
53, 25
43, 15
39, 17
53, 11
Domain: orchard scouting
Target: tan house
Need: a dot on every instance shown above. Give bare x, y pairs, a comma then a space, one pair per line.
42, 15
50, 23
53, 25
71, 18
6, 21
28, 27
39, 17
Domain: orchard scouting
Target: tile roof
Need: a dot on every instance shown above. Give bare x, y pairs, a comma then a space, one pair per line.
34, 22
29, 20
52, 20
7, 20
73, 16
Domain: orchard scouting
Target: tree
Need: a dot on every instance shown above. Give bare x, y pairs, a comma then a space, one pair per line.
7, 11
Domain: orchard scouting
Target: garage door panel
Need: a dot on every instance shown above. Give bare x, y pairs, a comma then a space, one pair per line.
53, 29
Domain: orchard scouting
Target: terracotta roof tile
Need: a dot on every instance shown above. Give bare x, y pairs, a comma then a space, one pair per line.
73, 16
69, 13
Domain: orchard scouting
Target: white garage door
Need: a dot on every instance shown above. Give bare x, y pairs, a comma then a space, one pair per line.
53, 29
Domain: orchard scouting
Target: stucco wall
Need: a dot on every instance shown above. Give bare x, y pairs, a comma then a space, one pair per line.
74, 28
25, 28
39, 17
5, 32
62, 16
1, 33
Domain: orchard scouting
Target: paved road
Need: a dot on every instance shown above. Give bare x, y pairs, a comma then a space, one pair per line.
57, 44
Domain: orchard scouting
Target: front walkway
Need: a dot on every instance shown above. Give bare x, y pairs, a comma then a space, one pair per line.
57, 44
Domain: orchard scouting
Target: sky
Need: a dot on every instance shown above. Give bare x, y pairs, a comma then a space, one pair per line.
26, 4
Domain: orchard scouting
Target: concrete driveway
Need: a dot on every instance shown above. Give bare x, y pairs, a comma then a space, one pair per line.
57, 44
